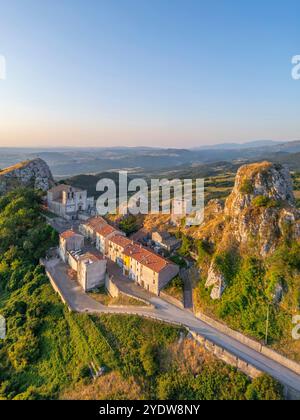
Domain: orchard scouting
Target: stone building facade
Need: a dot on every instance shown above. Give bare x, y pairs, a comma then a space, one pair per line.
69, 241
68, 202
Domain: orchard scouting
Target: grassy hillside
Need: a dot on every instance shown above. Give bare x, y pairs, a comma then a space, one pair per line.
248, 298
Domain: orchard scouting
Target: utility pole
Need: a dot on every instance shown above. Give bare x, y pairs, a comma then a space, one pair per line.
267, 325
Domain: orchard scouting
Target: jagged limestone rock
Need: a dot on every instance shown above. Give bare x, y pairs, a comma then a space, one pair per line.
261, 205
33, 173
216, 206
259, 214
272, 181
278, 292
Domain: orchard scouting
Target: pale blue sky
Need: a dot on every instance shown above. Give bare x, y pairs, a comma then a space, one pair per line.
148, 72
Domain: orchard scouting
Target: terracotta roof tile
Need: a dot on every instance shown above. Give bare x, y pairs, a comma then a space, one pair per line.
68, 234
106, 230
95, 223
64, 187
120, 240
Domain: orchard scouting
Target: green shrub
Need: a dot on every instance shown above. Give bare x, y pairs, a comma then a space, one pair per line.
149, 358
84, 372
227, 264
264, 388
129, 224
247, 187
186, 246
263, 201
204, 251
178, 260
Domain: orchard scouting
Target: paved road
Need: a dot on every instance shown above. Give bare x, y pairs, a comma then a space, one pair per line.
188, 291
61, 225
80, 302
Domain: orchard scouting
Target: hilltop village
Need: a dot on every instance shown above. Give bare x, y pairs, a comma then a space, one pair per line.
87, 249
99, 266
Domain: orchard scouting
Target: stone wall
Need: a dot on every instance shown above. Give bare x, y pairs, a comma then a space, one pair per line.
226, 356
255, 345
172, 300
56, 288
115, 291
294, 366
110, 286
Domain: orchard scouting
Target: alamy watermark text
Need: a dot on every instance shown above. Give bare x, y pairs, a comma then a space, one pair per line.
296, 67
182, 198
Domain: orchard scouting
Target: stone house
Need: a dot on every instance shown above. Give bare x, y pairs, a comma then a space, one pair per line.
67, 201
69, 241
103, 234
116, 246
178, 212
148, 269
91, 271
166, 241
90, 268
89, 228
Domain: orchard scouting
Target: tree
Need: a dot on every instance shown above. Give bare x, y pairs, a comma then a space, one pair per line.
129, 224
203, 251
264, 388
149, 360
186, 246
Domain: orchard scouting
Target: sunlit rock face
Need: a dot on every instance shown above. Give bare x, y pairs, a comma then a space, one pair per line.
260, 179
34, 173
261, 206
259, 214
217, 281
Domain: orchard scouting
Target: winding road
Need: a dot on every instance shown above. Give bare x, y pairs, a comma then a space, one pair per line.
78, 301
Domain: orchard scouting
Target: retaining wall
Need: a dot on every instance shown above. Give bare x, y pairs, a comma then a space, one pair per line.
290, 364
172, 300
110, 286
115, 291
226, 356
57, 290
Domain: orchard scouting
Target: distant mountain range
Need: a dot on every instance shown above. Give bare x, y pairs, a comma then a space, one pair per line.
66, 162
257, 143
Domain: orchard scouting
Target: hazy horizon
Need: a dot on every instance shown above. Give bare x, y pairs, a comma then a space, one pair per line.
141, 146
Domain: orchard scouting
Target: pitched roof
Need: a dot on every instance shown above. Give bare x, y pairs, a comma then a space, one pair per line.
146, 257
63, 187
90, 258
95, 223
69, 234
106, 230
120, 240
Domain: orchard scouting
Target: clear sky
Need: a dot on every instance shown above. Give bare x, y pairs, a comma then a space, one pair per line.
148, 72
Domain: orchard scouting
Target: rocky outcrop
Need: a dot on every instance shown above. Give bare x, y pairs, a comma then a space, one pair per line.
261, 208
215, 280
215, 206
265, 179
259, 214
33, 173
